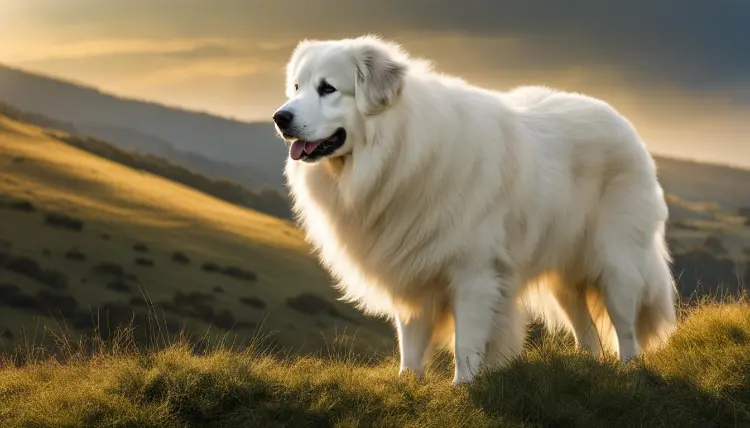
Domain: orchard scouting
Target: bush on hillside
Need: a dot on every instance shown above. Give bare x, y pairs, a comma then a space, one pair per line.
53, 279
75, 254
63, 221
239, 273
21, 265
20, 205
255, 302
109, 268
211, 267
142, 261
119, 286
311, 304
181, 258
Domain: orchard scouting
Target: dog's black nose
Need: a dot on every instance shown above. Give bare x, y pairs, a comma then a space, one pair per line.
283, 118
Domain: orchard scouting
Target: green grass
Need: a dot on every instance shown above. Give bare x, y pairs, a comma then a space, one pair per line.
701, 378
127, 215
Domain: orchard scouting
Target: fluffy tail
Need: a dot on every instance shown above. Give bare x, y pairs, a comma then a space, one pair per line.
657, 318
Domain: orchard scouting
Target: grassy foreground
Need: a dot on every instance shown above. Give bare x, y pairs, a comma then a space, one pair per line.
700, 379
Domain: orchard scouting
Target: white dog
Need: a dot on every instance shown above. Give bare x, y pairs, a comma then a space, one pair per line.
445, 207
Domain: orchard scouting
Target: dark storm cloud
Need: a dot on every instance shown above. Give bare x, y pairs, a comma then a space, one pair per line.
702, 44
697, 44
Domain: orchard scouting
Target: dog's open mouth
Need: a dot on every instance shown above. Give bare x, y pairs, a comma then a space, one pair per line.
309, 151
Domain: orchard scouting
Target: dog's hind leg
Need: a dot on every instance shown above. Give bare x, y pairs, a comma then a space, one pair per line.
415, 337
573, 303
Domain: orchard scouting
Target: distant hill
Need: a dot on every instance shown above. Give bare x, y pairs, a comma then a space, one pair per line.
153, 128
87, 241
265, 200
697, 181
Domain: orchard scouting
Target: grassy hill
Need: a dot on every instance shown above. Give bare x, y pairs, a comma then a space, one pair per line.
155, 128
701, 378
266, 200
137, 143
86, 241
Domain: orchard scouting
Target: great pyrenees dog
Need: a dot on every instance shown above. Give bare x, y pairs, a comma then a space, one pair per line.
456, 211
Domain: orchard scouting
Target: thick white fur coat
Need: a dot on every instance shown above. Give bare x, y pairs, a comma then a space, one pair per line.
454, 209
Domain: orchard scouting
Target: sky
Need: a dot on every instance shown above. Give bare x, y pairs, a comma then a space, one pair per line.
679, 69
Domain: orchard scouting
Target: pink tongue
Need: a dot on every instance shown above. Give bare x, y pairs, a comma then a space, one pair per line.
309, 147
295, 152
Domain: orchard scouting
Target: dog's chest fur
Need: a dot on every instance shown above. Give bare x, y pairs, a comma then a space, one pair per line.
388, 255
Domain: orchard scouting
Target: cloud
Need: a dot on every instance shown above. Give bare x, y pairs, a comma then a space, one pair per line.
700, 45
98, 47
208, 69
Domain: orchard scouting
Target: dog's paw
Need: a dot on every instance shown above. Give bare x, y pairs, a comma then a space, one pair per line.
463, 380
419, 374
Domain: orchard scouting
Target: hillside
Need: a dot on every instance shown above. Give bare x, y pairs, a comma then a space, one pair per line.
83, 238
158, 129
173, 165
701, 378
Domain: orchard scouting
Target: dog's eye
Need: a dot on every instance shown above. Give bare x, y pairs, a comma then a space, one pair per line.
296, 87
325, 88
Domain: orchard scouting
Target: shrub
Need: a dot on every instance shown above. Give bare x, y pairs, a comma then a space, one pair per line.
12, 297
239, 273
109, 268
180, 258
119, 286
57, 303
312, 304
75, 254
211, 267
253, 301
64, 221
191, 298
25, 266
141, 261
24, 206
53, 279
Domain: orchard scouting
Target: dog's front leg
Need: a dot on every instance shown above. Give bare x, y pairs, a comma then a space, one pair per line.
478, 295
415, 341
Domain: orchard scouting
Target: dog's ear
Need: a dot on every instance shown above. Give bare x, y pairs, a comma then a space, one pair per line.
379, 79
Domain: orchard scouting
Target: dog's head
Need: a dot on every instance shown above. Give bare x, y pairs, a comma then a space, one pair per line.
332, 87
